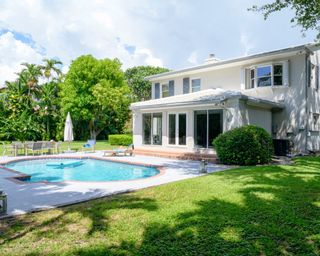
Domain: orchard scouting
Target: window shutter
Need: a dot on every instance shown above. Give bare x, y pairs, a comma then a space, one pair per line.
157, 90
171, 88
243, 79
285, 73
186, 85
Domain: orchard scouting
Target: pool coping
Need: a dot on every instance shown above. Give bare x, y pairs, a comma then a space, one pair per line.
19, 179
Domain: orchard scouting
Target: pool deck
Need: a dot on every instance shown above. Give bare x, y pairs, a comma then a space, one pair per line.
28, 197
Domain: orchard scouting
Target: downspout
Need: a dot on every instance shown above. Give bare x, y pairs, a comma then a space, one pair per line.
306, 96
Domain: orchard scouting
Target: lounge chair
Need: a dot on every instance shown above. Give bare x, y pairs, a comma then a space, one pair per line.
120, 151
89, 145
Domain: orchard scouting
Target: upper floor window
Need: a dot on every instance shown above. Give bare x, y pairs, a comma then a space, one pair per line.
165, 90
264, 76
168, 89
196, 84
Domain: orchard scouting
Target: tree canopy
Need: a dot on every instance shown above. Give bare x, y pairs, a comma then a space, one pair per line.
307, 12
96, 94
140, 88
30, 108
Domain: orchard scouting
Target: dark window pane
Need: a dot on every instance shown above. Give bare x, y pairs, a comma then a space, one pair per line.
277, 80
171, 88
215, 125
264, 81
186, 85
156, 90
157, 129
182, 129
252, 73
277, 70
264, 71
200, 128
146, 126
252, 83
172, 129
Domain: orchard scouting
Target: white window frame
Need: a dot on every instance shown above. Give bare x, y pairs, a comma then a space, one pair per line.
177, 129
267, 64
194, 78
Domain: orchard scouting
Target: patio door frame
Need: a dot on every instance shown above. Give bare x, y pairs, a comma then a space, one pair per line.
219, 111
177, 113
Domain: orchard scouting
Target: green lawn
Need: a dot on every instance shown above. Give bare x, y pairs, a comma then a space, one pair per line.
268, 210
77, 145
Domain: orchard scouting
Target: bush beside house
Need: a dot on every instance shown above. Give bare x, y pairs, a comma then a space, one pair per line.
120, 139
247, 145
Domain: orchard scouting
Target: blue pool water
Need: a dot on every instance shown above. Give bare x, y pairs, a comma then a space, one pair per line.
57, 170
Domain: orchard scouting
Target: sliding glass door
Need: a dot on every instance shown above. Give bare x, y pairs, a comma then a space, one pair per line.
152, 129
207, 126
146, 126
177, 129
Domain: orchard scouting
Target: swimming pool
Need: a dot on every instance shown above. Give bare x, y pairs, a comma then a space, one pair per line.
58, 170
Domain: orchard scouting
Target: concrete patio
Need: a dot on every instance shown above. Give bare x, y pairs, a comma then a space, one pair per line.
26, 197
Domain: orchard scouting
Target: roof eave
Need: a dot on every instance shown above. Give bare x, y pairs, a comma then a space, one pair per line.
305, 47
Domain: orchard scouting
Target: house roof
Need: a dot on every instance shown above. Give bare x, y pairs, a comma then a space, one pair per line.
236, 61
209, 96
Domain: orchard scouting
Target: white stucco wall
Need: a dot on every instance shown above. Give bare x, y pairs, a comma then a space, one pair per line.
300, 101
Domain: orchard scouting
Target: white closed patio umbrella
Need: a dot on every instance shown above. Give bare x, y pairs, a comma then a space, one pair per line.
68, 130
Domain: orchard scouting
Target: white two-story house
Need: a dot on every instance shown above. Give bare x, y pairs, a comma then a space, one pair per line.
277, 90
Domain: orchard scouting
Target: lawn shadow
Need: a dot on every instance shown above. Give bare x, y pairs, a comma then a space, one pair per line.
277, 216
97, 212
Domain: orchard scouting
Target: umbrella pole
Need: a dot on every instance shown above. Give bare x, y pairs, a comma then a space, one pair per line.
69, 146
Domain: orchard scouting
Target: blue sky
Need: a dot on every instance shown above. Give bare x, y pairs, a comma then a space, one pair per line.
172, 33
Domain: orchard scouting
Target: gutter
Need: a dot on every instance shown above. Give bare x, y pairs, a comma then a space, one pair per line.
216, 102
230, 61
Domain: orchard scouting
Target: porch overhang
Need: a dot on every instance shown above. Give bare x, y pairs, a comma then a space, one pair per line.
212, 97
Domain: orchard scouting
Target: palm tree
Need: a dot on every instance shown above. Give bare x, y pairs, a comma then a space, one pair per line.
50, 66
31, 73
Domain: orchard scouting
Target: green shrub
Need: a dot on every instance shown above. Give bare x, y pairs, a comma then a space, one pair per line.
247, 145
120, 139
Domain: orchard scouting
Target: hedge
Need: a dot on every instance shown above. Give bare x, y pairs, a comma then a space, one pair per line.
247, 145
120, 139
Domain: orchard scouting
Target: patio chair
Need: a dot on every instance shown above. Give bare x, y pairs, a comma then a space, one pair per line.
89, 145
18, 146
35, 147
120, 151
8, 148
48, 145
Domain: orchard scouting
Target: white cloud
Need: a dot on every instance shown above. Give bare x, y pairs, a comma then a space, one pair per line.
14, 52
163, 33
193, 58
246, 43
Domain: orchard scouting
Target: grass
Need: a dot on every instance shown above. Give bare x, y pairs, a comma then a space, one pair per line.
77, 145
267, 210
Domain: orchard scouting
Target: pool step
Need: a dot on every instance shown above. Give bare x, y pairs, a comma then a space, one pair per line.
210, 157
